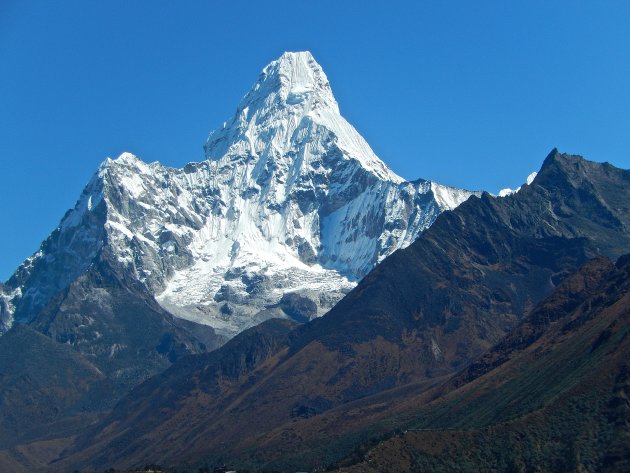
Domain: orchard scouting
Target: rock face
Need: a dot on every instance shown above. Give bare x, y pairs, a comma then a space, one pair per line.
291, 199
425, 313
47, 387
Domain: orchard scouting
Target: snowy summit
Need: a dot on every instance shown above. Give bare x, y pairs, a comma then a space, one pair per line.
291, 101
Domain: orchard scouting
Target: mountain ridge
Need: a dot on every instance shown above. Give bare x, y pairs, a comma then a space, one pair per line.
425, 313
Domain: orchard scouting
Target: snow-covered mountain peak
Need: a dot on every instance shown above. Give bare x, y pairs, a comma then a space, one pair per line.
289, 210
295, 79
127, 157
290, 117
127, 160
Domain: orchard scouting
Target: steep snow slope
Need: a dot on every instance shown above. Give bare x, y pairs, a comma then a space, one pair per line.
289, 210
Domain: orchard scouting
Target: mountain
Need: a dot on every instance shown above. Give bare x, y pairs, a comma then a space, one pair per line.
289, 210
551, 396
425, 313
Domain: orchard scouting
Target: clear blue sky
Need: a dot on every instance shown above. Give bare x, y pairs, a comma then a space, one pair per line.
470, 94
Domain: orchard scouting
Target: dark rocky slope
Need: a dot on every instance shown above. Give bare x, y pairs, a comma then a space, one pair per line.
218, 378
112, 320
551, 396
48, 391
